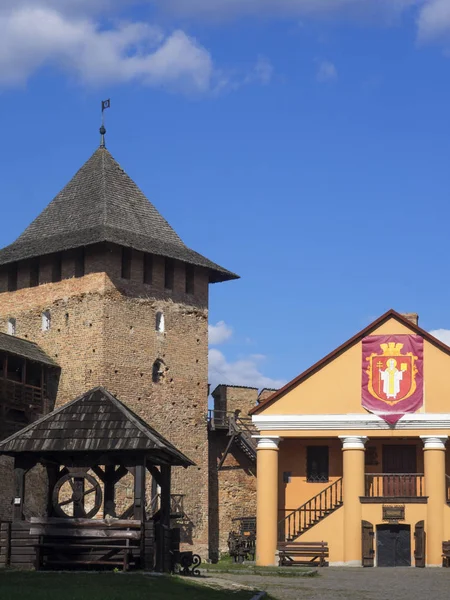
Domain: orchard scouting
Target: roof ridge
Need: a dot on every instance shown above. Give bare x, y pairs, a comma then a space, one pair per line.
103, 184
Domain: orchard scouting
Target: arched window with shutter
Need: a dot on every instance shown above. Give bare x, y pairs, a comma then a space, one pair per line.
158, 371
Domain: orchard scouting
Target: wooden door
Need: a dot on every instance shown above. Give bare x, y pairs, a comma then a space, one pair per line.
397, 461
419, 551
393, 546
368, 551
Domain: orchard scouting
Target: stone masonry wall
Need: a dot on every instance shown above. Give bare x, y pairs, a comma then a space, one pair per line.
103, 333
232, 489
229, 398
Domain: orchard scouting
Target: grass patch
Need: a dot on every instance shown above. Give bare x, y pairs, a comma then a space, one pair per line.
227, 565
26, 585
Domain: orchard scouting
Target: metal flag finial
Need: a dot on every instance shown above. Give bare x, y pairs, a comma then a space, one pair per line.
105, 104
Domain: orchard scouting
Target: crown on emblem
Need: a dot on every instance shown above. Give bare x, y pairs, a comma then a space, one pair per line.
391, 349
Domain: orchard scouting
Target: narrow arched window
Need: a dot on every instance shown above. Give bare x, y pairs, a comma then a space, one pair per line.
46, 320
11, 328
159, 322
158, 371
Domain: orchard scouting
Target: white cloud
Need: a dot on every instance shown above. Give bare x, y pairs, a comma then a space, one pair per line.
433, 16
245, 371
32, 36
326, 71
442, 334
219, 333
434, 20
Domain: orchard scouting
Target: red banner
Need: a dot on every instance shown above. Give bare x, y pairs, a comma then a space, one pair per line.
392, 375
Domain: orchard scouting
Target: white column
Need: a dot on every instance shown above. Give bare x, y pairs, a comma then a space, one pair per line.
267, 500
435, 489
353, 448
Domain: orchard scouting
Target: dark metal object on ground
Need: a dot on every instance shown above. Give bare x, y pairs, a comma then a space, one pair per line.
182, 563
242, 544
241, 547
186, 563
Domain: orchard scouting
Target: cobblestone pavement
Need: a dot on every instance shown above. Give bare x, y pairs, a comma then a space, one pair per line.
356, 584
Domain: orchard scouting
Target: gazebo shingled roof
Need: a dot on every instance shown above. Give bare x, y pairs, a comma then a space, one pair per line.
102, 204
95, 422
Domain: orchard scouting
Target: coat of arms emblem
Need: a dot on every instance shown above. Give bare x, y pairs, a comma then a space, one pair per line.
392, 375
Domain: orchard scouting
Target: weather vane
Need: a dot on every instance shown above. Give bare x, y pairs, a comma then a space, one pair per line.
105, 104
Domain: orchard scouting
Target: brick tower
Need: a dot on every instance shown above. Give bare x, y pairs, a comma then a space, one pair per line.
107, 288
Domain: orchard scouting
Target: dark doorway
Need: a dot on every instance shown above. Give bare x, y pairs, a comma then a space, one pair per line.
393, 546
398, 460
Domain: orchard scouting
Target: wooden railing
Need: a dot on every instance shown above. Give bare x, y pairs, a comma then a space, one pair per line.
176, 505
21, 394
314, 510
395, 485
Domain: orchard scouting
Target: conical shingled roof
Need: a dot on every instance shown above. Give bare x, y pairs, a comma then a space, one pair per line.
102, 204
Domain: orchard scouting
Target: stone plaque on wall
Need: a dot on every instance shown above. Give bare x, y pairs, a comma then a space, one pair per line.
393, 514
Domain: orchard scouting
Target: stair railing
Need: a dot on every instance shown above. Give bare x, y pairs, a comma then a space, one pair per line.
246, 429
311, 512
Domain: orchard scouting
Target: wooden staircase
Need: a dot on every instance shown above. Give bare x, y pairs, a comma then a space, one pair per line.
314, 511
240, 431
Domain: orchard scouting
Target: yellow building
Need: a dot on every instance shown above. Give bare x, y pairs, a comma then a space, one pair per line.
372, 483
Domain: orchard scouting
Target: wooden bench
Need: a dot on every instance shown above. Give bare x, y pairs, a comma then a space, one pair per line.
446, 554
70, 542
303, 553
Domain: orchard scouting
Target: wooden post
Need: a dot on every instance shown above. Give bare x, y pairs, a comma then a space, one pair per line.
19, 489
78, 497
165, 494
109, 507
165, 518
139, 493
52, 476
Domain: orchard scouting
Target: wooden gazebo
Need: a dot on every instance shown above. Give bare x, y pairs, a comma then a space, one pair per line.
87, 447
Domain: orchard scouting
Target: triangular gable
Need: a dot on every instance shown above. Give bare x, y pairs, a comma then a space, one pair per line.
96, 421
321, 364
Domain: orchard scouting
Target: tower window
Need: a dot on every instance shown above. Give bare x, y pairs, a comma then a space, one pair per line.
56, 268
158, 371
148, 268
46, 320
126, 263
159, 324
169, 272
79, 263
190, 278
11, 327
34, 272
317, 464
12, 278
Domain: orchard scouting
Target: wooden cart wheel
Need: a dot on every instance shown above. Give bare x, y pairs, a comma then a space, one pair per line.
80, 491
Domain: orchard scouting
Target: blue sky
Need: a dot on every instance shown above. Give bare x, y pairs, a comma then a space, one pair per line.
304, 145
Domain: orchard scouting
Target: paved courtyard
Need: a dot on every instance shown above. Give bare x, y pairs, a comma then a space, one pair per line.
356, 584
